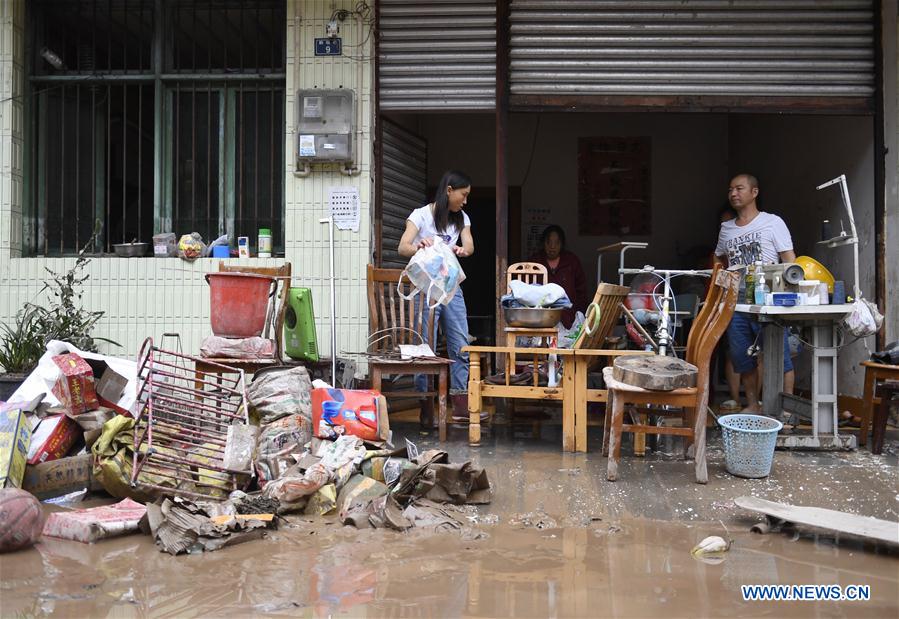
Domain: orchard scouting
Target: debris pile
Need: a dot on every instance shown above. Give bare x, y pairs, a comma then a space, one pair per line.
201, 462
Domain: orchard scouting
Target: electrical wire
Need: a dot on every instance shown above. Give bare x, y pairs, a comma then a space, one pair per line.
842, 336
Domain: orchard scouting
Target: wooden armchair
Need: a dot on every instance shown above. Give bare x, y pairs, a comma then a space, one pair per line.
602, 315
589, 352
395, 321
707, 330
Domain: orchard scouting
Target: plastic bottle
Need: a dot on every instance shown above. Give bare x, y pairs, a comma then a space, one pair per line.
264, 246
749, 280
761, 287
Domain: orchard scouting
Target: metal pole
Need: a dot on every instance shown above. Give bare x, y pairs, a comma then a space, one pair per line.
330, 222
847, 202
162, 217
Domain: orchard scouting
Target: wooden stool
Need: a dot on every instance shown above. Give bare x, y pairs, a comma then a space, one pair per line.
874, 373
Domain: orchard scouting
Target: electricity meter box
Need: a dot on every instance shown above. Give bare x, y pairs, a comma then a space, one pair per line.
325, 125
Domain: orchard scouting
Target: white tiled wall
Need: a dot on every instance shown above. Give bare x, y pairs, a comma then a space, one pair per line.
150, 296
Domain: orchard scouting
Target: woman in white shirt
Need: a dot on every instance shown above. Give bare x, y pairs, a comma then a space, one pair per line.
445, 218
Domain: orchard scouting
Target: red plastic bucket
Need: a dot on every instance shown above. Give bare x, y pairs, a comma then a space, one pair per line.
238, 303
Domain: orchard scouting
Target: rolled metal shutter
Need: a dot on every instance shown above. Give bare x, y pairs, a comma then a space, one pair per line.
437, 55
765, 48
403, 187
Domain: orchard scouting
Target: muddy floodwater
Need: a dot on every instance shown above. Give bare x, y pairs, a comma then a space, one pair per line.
557, 541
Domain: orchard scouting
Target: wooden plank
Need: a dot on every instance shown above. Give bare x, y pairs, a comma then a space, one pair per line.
562, 352
580, 403
521, 392
597, 395
569, 440
873, 528
607, 352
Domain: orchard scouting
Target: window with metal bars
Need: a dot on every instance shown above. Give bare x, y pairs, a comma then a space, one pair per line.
149, 116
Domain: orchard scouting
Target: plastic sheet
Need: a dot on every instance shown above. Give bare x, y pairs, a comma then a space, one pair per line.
240, 445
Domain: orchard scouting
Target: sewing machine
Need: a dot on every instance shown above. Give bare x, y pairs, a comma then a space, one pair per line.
784, 277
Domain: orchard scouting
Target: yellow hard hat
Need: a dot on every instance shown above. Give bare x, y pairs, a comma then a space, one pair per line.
815, 270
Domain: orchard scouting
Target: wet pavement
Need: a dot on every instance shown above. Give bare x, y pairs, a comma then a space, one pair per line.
558, 540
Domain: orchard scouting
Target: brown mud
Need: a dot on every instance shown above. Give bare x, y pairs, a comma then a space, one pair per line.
557, 541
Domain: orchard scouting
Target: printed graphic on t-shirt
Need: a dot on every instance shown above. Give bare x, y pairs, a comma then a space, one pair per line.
446, 238
745, 249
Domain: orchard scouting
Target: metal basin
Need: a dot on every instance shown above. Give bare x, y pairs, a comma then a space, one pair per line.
131, 250
532, 316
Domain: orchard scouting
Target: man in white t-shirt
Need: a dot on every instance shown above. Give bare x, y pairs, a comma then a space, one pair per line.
753, 236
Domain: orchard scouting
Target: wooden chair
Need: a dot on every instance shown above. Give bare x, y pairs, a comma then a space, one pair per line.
393, 321
529, 273
607, 301
275, 322
707, 330
589, 351
875, 373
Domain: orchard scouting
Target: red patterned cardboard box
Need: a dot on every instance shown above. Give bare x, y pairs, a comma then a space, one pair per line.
75, 387
53, 438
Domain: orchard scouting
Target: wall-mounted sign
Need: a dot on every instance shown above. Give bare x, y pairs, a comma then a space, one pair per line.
344, 202
328, 47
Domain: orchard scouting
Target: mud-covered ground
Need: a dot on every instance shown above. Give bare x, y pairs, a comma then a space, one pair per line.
557, 541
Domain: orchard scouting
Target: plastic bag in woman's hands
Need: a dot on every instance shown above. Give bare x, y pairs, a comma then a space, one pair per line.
436, 271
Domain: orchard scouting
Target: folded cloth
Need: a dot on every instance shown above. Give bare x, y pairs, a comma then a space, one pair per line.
536, 295
510, 302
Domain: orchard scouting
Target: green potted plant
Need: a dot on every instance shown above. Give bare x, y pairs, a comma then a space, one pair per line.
64, 319
21, 346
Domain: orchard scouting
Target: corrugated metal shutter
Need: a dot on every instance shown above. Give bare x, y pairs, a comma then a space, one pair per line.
437, 55
693, 47
403, 186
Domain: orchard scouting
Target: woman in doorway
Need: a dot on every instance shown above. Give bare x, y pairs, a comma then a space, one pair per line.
564, 269
446, 219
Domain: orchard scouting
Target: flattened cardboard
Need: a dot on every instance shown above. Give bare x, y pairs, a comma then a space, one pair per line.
58, 477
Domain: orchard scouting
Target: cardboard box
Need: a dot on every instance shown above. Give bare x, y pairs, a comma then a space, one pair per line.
75, 387
53, 438
110, 385
15, 439
58, 477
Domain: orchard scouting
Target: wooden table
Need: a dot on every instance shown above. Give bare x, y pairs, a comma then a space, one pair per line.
822, 408
875, 373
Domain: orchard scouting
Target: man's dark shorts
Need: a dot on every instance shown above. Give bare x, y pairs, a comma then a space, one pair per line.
742, 332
